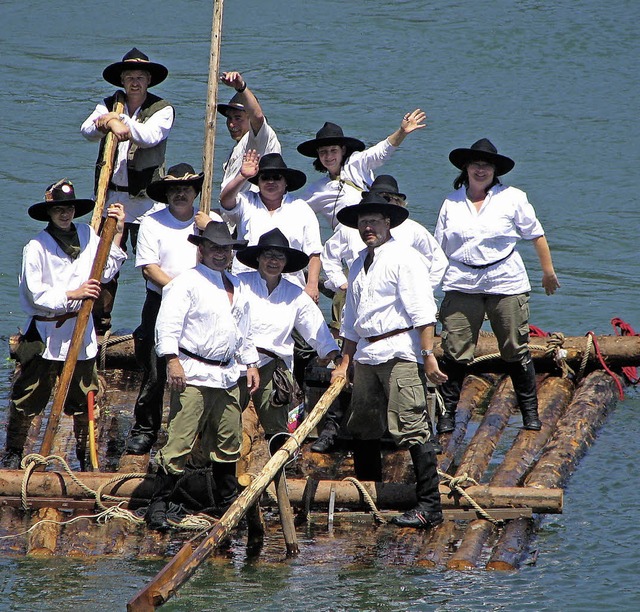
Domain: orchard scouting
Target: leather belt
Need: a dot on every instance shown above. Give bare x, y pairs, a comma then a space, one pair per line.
213, 362
389, 334
59, 319
493, 263
122, 188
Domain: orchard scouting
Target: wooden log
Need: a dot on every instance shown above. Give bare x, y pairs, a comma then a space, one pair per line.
179, 570
512, 546
286, 514
436, 549
470, 549
476, 392
52, 485
483, 444
43, 540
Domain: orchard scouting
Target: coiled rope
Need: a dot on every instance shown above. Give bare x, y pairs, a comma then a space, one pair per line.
109, 341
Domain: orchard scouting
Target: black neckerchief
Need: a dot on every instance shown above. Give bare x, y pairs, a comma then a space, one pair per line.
67, 240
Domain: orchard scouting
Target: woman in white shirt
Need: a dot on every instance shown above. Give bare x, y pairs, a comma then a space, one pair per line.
478, 227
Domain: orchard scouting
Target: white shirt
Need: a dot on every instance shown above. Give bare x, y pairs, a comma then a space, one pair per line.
468, 236
392, 295
326, 196
148, 134
275, 314
265, 141
346, 244
46, 276
196, 314
294, 219
162, 240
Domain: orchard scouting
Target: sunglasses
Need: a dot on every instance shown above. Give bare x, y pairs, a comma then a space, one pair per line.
270, 176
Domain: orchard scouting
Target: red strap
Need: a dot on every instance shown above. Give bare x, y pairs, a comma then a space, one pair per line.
622, 328
536, 332
604, 365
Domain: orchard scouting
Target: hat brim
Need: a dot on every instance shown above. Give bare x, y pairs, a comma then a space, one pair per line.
157, 190
39, 211
461, 157
112, 73
223, 109
234, 244
294, 178
309, 148
389, 191
349, 215
296, 260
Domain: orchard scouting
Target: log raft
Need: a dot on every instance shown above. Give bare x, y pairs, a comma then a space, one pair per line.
519, 476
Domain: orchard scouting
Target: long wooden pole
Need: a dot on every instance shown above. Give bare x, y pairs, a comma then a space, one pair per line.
183, 565
211, 110
108, 157
106, 238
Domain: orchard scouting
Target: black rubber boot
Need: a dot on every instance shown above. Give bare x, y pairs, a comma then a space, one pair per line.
523, 376
81, 434
428, 511
224, 475
327, 438
367, 460
17, 430
450, 391
156, 515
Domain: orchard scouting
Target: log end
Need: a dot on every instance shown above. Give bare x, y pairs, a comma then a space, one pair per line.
500, 566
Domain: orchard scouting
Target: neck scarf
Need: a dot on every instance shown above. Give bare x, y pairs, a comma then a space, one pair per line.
67, 240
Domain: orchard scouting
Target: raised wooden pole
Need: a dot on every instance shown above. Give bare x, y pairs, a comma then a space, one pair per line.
108, 157
211, 109
180, 569
60, 397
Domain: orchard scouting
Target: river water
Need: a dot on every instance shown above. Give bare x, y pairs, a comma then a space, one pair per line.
553, 84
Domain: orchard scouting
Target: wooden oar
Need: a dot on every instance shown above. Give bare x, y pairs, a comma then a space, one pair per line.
108, 157
211, 110
106, 238
187, 561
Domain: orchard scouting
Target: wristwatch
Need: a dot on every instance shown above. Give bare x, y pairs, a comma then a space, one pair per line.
426, 352
252, 365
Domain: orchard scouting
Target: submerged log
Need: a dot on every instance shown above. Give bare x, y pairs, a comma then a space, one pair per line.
43, 540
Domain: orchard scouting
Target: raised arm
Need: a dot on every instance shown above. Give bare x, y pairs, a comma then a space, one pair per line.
246, 98
248, 170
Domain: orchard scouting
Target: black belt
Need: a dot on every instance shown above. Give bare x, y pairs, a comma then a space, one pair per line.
483, 266
213, 362
388, 334
59, 319
122, 188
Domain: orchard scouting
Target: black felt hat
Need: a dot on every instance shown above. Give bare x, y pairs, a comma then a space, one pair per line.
385, 183
56, 194
329, 134
233, 104
218, 233
274, 239
134, 60
274, 164
482, 150
372, 203
180, 174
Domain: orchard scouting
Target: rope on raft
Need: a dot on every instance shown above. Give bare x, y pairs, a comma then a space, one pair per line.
108, 341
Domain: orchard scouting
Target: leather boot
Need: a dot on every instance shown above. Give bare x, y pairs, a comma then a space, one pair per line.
81, 434
428, 511
17, 430
367, 460
224, 475
450, 391
156, 515
523, 376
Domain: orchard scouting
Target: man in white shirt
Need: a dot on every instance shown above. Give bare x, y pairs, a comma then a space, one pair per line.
163, 252
388, 328
247, 126
54, 281
204, 332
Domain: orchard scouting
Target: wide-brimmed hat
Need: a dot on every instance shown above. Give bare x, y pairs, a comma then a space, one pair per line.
329, 134
385, 183
372, 202
180, 174
482, 150
134, 60
273, 163
56, 194
274, 239
218, 233
234, 104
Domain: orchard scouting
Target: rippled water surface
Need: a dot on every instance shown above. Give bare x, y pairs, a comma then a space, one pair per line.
553, 84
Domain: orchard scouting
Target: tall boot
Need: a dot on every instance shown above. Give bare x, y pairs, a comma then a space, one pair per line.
163, 486
81, 434
450, 391
367, 460
428, 511
224, 475
17, 430
523, 376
